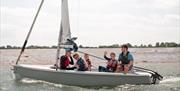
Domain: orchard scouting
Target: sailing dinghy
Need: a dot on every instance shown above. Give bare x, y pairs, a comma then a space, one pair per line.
73, 77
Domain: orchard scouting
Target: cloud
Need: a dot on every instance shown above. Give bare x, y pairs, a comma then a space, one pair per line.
95, 22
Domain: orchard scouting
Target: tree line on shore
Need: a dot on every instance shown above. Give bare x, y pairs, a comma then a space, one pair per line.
158, 44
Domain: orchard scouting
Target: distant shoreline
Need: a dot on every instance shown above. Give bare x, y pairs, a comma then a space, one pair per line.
157, 45
87, 48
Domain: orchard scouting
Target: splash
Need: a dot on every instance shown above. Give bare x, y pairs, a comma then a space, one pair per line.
126, 87
171, 80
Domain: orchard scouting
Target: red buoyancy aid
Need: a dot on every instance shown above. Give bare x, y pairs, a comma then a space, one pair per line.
65, 61
88, 62
112, 64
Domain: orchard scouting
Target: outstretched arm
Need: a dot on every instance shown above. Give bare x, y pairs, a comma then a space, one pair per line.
107, 57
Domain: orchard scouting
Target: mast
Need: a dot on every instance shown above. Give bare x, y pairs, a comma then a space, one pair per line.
30, 30
64, 33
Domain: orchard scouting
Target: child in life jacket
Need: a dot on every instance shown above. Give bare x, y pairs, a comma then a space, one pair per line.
88, 61
111, 63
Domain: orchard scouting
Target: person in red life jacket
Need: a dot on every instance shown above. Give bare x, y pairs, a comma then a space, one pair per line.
125, 60
66, 60
81, 65
88, 61
111, 63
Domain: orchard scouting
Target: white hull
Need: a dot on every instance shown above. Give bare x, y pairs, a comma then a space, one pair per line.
77, 78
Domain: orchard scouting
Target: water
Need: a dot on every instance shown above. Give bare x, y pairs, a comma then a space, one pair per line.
165, 61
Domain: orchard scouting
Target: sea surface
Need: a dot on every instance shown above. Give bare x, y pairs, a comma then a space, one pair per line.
165, 61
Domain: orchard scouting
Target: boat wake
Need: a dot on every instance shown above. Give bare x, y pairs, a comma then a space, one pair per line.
170, 80
31, 81
167, 80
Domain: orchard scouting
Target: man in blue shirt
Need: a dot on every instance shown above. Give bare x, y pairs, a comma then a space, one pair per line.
125, 60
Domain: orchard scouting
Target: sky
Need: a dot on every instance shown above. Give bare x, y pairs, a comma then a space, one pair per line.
94, 22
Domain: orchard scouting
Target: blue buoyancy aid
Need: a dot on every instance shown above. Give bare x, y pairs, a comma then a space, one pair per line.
125, 59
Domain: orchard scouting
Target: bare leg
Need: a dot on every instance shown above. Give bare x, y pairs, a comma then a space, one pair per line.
126, 69
119, 69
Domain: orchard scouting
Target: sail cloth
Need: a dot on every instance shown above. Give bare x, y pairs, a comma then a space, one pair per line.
65, 40
65, 32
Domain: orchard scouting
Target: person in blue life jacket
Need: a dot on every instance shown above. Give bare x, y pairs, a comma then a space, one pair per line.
111, 63
125, 60
81, 65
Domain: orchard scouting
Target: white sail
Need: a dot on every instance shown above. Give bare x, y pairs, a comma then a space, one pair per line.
65, 32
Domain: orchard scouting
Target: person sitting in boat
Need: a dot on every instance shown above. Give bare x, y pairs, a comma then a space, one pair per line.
88, 61
81, 65
66, 60
125, 60
111, 63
